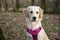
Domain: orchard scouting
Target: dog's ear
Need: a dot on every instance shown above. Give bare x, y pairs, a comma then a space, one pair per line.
41, 13
26, 12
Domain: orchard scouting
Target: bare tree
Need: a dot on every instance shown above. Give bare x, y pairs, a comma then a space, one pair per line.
32, 2
17, 4
12, 3
0, 5
55, 9
43, 5
6, 5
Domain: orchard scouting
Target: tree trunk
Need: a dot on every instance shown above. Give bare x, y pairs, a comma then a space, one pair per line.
6, 5
0, 5
55, 9
43, 5
32, 2
17, 4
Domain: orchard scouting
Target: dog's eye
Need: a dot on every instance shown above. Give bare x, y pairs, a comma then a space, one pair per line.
31, 11
37, 12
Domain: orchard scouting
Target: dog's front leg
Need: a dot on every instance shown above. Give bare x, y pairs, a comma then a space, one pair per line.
28, 36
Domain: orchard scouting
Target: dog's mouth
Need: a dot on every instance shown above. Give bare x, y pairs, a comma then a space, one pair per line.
34, 20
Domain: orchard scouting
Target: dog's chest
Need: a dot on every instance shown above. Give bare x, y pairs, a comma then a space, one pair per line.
34, 33
33, 26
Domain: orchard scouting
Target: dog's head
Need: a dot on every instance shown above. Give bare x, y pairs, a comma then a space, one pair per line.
34, 13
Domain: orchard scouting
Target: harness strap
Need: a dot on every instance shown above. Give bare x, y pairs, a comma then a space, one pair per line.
34, 37
34, 33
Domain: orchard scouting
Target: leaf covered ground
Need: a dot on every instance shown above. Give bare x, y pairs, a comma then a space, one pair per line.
13, 25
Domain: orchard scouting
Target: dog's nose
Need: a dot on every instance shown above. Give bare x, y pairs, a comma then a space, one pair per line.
34, 18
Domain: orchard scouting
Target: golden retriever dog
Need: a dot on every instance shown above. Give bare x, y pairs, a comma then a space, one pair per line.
34, 29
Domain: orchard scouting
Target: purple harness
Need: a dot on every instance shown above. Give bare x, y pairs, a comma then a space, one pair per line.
34, 33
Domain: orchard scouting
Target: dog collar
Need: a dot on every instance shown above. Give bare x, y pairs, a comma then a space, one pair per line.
34, 33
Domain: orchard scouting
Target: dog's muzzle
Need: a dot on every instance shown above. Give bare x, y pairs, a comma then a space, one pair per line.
34, 18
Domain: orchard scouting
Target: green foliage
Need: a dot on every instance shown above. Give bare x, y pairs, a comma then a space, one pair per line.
1, 33
15, 10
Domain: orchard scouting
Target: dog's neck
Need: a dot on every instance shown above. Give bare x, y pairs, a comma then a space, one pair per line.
33, 25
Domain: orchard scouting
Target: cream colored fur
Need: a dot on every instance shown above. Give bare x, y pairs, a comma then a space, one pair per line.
34, 25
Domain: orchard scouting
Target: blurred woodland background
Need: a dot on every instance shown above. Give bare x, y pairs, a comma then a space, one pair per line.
12, 18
